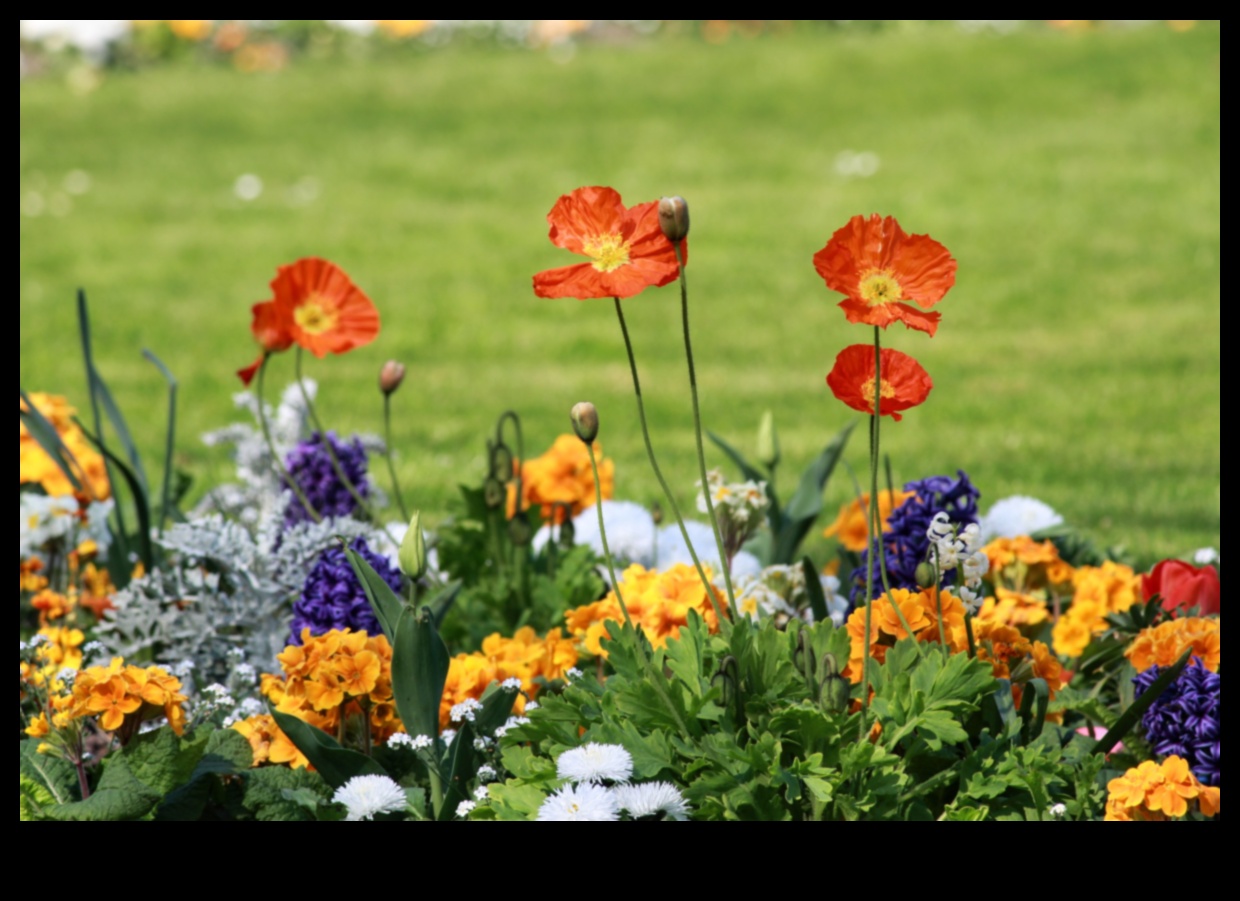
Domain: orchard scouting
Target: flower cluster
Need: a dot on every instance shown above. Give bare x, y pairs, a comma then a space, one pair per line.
1160, 792
1187, 719
921, 611
599, 790
951, 549
852, 525
526, 657
268, 743
341, 675
54, 649
561, 481
310, 465
779, 592
333, 597
659, 604
1165, 644
37, 468
739, 508
906, 542
1025, 565
1097, 592
1012, 517
1015, 657
121, 696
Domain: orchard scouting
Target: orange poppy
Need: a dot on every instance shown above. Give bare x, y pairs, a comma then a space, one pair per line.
905, 383
316, 306
876, 265
627, 249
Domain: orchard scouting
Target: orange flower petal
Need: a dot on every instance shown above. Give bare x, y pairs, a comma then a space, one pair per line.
322, 309
905, 383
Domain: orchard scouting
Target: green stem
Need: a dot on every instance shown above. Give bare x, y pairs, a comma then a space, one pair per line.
276, 460
724, 561
387, 441
655, 678
938, 597
335, 460
654, 464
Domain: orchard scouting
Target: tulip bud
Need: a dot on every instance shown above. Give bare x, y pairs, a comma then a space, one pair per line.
412, 555
390, 376
585, 421
674, 218
924, 574
768, 441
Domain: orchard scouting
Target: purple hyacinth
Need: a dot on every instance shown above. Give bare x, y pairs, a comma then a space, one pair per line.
333, 598
1186, 720
905, 538
311, 467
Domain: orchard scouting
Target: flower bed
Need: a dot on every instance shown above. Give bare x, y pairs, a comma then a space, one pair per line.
285, 650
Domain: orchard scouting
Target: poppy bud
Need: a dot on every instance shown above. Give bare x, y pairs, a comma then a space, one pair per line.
390, 376
412, 555
501, 462
656, 513
519, 531
585, 421
493, 492
924, 574
674, 218
768, 441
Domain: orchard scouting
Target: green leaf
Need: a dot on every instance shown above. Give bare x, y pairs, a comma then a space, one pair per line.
497, 704
136, 489
813, 587
441, 601
226, 752
515, 801
461, 769
165, 503
748, 470
265, 796
120, 796
1136, 710
335, 763
57, 775
806, 504
33, 799
419, 671
1036, 694
383, 601
46, 436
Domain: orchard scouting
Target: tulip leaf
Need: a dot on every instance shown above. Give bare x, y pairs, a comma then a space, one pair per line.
1033, 703
419, 670
1137, 708
334, 762
136, 488
461, 769
813, 587
386, 605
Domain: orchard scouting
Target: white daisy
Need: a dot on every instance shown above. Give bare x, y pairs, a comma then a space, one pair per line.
365, 796
583, 803
594, 762
653, 800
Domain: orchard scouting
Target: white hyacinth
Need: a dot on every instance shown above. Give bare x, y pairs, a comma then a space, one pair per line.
366, 796
595, 762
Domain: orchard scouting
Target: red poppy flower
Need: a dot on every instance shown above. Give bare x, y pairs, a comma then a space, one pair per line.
317, 307
1182, 585
627, 249
877, 265
905, 383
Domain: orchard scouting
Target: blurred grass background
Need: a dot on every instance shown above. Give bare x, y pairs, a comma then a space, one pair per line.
1075, 177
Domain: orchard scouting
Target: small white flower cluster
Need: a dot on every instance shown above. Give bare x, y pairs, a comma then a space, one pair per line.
1017, 515
413, 742
962, 549
466, 711
513, 684
599, 789
1058, 811
738, 507
366, 796
779, 591
247, 708
511, 723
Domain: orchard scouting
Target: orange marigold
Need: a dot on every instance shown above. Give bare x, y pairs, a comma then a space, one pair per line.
561, 481
920, 609
1160, 792
851, 526
1164, 644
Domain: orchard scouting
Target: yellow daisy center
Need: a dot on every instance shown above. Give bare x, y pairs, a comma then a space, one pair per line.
314, 317
609, 252
878, 286
867, 390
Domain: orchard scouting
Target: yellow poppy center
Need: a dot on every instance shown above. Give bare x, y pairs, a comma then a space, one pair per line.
314, 318
878, 286
867, 390
609, 252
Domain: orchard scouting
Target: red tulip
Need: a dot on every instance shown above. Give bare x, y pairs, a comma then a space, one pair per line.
1182, 585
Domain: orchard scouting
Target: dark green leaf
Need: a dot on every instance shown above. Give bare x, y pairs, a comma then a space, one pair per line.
137, 489
419, 671
1033, 703
462, 766
806, 504
383, 601
335, 763
1136, 710
120, 796
813, 587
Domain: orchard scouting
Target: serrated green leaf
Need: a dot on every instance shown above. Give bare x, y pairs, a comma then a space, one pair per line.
55, 774
335, 763
515, 801
120, 796
264, 797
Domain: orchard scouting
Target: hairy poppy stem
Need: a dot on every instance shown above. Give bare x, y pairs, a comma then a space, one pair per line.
654, 464
335, 460
387, 454
656, 679
276, 461
724, 560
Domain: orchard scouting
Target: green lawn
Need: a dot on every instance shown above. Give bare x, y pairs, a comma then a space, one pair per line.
1075, 177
